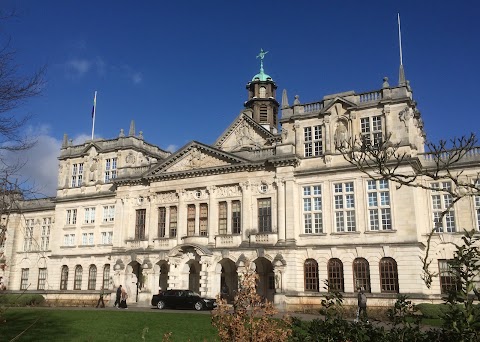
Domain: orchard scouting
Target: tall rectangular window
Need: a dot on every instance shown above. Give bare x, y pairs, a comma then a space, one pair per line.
371, 131
110, 169
24, 279
203, 219
42, 277
236, 217
140, 224
69, 240
107, 238
71, 216
173, 221
312, 209
108, 213
313, 142
162, 216
222, 218
28, 237
264, 215
344, 204
77, 175
106, 276
379, 213
448, 280
89, 215
45, 238
443, 211
191, 220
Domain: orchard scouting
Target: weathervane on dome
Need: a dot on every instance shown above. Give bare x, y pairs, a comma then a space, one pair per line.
261, 55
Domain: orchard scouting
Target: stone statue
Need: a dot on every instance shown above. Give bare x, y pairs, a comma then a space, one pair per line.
341, 134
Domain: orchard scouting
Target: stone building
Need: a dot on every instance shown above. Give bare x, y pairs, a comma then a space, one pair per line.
277, 194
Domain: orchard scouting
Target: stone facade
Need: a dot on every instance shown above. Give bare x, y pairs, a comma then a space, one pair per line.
127, 212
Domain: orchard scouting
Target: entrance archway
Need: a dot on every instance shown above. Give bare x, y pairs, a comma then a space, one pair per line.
194, 276
134, 279
266, 278
229, 277
163, 277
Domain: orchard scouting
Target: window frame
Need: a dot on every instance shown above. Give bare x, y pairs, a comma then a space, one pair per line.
264, 215
336, 276
361, 274
236, 217
388, 277
64, 277
310, 275
42, 278
77, 280
24, 279
92, 277
312, 210
140, 222
344, 204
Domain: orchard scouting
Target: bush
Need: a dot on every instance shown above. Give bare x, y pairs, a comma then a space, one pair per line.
22, 300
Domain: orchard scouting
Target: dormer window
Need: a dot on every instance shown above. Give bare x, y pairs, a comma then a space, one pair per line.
263, 92
77, 175
110, 169
371, 129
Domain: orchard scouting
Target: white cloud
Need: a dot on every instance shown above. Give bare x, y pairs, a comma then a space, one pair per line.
171, 148
77, 67
137, 78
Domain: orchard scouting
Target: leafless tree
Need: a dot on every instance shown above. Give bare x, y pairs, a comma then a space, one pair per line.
442, 161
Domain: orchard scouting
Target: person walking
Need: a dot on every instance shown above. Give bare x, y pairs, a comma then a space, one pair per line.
362, 306
117, 298
100, 302
123, 300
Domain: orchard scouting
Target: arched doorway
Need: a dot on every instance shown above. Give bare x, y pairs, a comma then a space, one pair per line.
194, 276
266, 278
163, 276
229, 277
134, 279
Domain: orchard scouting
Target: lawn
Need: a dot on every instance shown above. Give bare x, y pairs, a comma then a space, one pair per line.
104, 325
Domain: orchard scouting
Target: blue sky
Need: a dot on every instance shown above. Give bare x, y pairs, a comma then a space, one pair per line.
179, 68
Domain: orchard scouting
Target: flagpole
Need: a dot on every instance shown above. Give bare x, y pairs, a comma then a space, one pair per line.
93, 112
400, 38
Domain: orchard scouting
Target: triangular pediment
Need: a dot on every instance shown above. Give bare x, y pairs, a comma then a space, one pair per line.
196, 156
336, 103
243, 134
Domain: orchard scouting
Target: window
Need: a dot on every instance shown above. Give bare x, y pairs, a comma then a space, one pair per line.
203, 219
313, 145
92, 277
263, 114
310, 269
344, 207
448, 280
191, 220
87, 239
28, 237
77, 284
110, 169
361, 274
69, 240
264, 215
236, 217
371, 131
89, 215
106, 276
45, 238
71, 216
42, 277
24, 280
162, 216
312, 209
335, 275
388, 275
77, 175
222, 218
173, 221
107, 238
263, 92
64, 278
140, 224
379, 214
108, 213
442, 206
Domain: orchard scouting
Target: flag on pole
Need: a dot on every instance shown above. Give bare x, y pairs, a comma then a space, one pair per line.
93, 112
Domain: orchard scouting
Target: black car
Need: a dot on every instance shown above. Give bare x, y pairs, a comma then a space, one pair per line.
182, 299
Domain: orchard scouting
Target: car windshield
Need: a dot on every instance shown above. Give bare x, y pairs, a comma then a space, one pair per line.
191, 294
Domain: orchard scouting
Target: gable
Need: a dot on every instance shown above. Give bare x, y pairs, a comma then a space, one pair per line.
243, 134
196, 159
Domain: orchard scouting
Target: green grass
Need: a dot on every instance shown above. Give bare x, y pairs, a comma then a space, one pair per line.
104, 325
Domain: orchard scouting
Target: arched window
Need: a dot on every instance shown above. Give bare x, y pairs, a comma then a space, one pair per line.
388, 275
335, 275
263, 92
361, 274
77, 281
64, 278
106, 276
311, 275
92, 277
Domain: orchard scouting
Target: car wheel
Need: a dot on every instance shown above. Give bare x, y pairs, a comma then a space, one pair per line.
161, 304
198, 305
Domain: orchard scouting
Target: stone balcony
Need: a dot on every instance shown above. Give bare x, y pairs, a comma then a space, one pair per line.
136, 244
228, 240
195, 239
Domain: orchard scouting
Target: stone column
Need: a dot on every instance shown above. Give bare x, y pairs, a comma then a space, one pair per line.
197, 219
281, 210
181, 217
246, 209
291, 199
212, 216
167, 221
328, 138
229, 217
204, 286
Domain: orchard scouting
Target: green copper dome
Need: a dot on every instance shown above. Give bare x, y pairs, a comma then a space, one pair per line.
261, 76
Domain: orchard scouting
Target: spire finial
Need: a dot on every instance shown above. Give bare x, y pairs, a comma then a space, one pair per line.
131, 132
261, 55
401, 72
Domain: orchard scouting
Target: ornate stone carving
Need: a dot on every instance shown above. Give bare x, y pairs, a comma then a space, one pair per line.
166, 197
130, 158
192, 195
404, 115
341, 134
196, 159
228, 191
